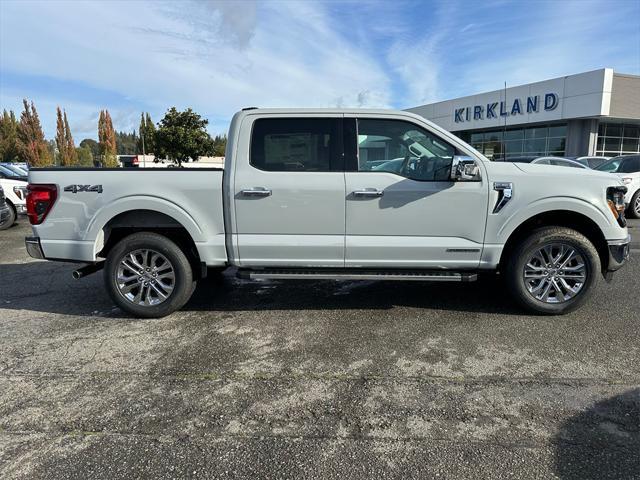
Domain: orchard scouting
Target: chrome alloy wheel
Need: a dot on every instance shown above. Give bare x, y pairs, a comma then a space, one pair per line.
145, 277
636, 206
556, 273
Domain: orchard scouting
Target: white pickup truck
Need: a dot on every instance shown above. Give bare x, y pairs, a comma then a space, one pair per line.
334, 194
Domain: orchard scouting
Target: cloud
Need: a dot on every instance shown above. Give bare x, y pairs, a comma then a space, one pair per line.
219, 56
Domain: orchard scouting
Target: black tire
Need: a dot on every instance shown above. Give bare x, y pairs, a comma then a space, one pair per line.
183, 284
11, 219
523, 253
634, 207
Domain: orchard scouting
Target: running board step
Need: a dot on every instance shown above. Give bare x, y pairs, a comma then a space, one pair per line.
336, 274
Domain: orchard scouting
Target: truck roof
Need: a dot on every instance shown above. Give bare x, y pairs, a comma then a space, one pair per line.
312, 110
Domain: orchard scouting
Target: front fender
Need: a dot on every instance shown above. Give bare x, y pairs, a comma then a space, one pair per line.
607, 225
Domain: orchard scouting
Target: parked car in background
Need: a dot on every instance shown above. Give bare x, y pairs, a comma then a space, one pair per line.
627, 167
558, 161
519, 159
17, 168
591, 161
6, 172
6, 218
15, 194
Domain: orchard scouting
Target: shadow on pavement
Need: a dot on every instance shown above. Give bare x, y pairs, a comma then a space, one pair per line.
602, 442
48, 287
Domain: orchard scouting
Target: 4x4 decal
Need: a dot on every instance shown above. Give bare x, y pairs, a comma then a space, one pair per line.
83, 188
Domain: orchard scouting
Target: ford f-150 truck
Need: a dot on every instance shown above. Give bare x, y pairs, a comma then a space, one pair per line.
334, 194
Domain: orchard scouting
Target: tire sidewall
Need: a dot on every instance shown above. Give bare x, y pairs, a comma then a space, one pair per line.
525, 251
184, 282
632, 206
11, 219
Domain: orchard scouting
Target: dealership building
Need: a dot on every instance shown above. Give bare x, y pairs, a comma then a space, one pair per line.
591, 113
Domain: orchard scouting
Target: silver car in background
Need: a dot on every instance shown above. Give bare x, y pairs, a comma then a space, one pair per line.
558, 161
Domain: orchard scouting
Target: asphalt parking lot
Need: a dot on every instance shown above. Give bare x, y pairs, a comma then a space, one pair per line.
314, 380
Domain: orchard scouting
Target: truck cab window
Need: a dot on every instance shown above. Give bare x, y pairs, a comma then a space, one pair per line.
404, 149
295, 144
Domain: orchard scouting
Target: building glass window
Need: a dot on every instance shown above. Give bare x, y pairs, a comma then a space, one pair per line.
618, 139
540, 140
542, 132
558, 131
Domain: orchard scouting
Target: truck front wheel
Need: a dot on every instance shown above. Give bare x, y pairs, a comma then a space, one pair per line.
148, 275
552, 270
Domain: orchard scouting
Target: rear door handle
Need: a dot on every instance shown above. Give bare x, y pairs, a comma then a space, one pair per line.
256, 192
368, 192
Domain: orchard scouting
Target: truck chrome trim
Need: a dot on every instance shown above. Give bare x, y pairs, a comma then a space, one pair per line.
34, 249
368, 192
284, 274
87, 270
256, 192
619, 252
505, 194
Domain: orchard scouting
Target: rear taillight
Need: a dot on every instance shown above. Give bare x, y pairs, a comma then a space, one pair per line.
40, 200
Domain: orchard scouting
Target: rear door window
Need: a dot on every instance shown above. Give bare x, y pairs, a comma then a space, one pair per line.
297, 144
630, 165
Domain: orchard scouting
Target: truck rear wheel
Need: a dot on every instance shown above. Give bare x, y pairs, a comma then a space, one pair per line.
148, 275
553, 270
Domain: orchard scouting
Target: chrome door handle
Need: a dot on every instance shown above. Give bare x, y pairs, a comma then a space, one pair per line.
368, 192
256, 192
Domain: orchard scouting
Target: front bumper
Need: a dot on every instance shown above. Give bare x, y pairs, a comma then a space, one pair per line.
618, 253
34, 248
21, 209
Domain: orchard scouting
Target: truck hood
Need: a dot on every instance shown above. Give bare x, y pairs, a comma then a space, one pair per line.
570, 173
8, 183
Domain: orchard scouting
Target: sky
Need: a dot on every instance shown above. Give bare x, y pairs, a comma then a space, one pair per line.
220, 56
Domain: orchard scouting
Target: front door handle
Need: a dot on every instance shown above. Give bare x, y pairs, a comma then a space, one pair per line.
256, 192
368, 192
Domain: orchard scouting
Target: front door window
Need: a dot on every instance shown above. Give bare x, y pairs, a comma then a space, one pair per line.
403, 148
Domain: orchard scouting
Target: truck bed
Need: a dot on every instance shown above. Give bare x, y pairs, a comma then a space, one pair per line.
90, 202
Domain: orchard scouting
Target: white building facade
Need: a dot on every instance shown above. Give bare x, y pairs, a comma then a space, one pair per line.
591, 113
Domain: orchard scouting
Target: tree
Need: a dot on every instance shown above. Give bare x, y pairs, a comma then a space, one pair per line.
146, 135
8, 137
61, 141
150, 137
72, 156
219, 145
107, 139
92, 145
31, 144
126, 143
182, 136
67, 155
85, 157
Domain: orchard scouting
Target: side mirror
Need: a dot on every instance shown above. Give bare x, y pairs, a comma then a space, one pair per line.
465, 169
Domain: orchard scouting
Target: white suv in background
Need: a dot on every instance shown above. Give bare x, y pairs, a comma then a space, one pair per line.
627, 167
15, 192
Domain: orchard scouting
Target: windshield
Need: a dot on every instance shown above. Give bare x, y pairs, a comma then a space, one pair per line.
10, 173
610, 166
16, 169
